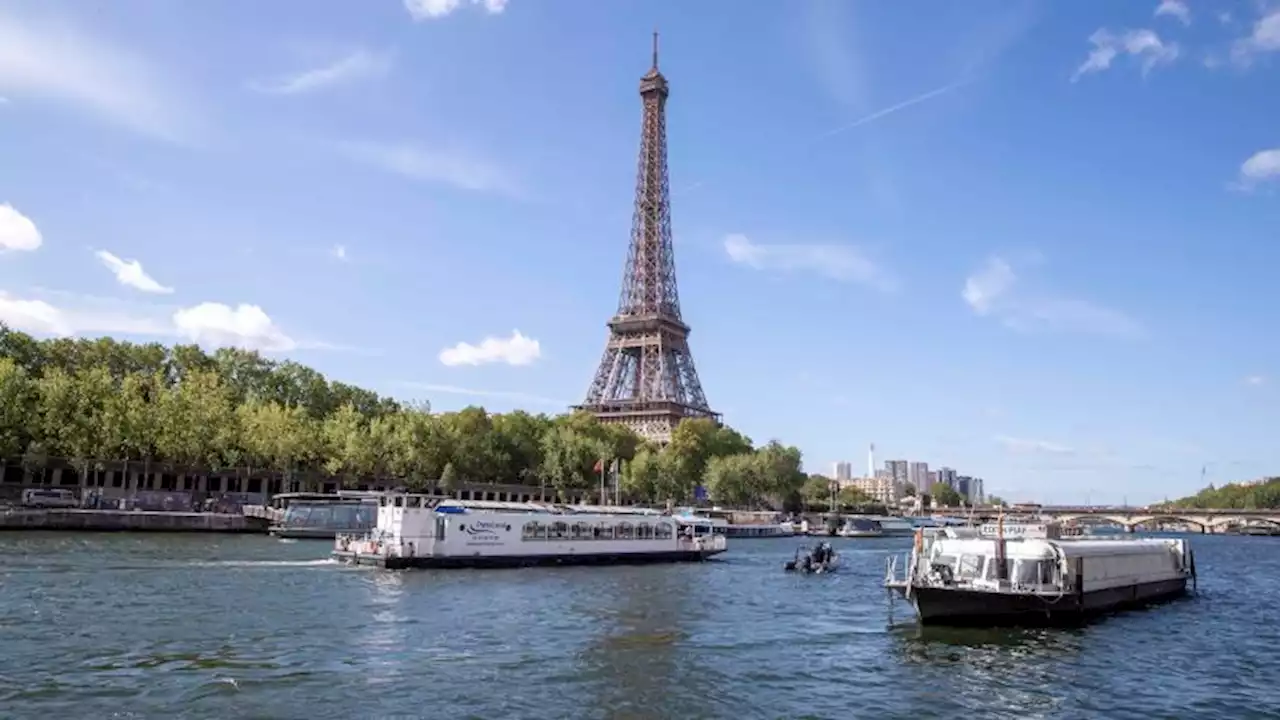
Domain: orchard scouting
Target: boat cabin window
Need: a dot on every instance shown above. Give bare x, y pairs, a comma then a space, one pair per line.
971, 567
413, 502
399, 501
662, 531
604, 531
625, 531
558, 531
1033, 572
580, 531
644, 531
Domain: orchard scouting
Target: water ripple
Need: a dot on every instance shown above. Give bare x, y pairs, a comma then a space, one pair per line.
179, 626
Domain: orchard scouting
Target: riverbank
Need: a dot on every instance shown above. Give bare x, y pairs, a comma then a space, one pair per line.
126, 521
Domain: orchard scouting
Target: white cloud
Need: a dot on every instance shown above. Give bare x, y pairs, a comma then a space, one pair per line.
439, 165
212, 324
1175, 8
1143, 45
994, 290
338, 252
244, 326
839, 262
17, 231
56, 61
1255, 380
1027, 446
130, 272
496, 394
1263, 166
431, 9
515, 350
1264, 38
40, 317
358, 65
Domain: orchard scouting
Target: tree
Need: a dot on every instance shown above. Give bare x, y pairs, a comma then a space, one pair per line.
106, 403
909, 490
852, 497
818, 492
996, 501
449, 479
946, 496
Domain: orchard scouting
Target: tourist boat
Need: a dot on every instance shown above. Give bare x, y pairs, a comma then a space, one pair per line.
321, 516
860, 527
770, 525
894, 526
427, 531
1001, 574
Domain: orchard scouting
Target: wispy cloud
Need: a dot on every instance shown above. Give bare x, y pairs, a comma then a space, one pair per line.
17, 231
838, 262
358, 65
55, 60
1255, 380
421, 10
1176, 9
338, 252
994, 290
1264, 38
519, 397
514, 350
438, 165
131, 274
1143, 45
1029, 446
1262, 167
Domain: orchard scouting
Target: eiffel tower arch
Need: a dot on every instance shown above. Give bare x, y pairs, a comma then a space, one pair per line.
646, 379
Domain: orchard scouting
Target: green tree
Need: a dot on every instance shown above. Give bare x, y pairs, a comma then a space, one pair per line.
946, 496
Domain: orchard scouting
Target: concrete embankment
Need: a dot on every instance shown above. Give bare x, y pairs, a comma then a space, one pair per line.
125, 521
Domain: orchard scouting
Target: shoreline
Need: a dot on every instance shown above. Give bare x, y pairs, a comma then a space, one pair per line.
59, 519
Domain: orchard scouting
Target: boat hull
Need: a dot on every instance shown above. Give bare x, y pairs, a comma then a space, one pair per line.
515, 561
975, 608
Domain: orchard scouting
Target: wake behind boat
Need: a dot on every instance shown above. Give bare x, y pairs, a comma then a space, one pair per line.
425, 531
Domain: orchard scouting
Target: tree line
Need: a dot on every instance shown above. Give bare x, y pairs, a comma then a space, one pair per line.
103, 401
1264, 494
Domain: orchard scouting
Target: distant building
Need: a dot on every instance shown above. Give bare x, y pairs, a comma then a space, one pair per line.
881, 488
931, 481
918, 476
947, 476
842, 471
898, 470
964, 486
977, 493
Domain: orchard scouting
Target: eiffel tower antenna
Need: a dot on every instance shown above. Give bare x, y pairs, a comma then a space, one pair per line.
646, 379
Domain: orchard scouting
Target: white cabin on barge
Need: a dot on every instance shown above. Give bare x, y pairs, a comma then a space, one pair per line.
428, 531
1035, 574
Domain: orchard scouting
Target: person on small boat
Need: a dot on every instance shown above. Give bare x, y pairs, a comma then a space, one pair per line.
822, 554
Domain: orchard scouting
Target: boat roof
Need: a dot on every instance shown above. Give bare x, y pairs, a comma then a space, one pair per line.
1042, 549
451, 505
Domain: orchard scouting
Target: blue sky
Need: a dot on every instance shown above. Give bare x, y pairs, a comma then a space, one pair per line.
1033, 241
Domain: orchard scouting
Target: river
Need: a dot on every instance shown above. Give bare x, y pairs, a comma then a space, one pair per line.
183, 626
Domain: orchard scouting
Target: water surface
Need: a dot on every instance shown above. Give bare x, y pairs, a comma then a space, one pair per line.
182, 626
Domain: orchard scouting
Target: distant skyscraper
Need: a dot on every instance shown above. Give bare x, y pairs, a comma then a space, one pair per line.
964, 486
842, 470
977, 493
931, 481
897, 470
918, 476
871, 461
947, 476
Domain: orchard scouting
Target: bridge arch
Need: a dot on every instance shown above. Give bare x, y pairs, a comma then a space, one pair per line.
1243, 519
1149, 520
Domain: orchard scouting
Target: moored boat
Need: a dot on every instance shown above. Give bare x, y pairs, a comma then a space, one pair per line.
860, 527
1035, 574
425, 531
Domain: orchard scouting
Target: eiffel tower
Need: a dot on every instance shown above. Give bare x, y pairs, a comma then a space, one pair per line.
646, 379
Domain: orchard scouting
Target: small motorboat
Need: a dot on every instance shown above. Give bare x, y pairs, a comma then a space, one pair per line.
821, 559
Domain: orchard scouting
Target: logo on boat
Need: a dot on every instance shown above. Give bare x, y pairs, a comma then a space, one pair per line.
483, 527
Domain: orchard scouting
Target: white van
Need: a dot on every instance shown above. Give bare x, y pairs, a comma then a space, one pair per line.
49, 498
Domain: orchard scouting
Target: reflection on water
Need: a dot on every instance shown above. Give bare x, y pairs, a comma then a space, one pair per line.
185, 626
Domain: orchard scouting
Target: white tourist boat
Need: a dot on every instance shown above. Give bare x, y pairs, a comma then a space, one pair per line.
894, 526
1045, 573
860, 527
428, 531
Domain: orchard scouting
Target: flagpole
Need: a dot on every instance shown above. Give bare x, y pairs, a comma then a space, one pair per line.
601, 465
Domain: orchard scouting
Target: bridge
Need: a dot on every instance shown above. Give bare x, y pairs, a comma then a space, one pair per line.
1130, 518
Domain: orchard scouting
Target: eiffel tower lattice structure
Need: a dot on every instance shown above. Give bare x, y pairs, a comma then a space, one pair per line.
646, 379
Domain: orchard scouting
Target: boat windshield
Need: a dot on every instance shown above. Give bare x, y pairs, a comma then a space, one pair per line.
1033, 572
